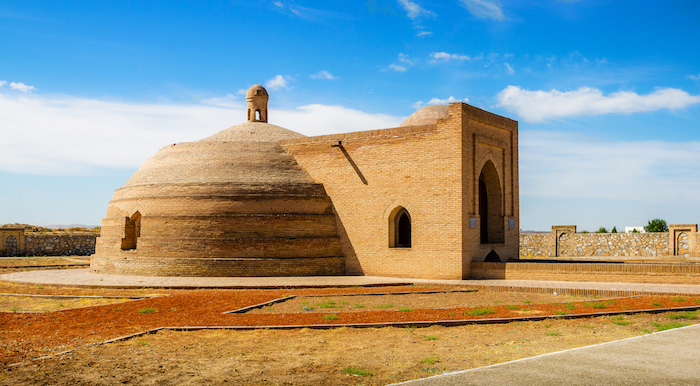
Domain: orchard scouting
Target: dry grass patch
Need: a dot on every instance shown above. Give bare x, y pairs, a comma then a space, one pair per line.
41, 304
343, 356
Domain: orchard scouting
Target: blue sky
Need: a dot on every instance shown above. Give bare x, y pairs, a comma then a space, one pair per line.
607, 93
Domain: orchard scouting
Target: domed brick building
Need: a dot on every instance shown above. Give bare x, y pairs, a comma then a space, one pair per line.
422, 200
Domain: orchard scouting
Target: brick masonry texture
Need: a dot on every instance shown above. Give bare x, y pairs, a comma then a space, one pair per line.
659, 273
431, 169
232, 204
260, 200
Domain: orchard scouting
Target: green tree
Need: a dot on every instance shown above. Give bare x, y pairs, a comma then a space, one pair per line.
614, 230
657, 225
601, 230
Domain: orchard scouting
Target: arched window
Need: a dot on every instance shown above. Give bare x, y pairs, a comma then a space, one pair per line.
400, 228
11, 246
491, 206
132, 231
257, 116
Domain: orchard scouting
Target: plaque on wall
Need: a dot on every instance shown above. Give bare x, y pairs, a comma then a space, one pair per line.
472, 222
511, 223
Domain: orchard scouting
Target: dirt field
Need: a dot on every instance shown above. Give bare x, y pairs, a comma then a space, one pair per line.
302, 356
33, 304
407, 303
344, 356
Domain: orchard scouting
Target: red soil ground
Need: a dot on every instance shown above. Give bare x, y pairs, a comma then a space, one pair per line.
30, 335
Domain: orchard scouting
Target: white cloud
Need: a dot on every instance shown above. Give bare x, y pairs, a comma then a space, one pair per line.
569, 165
278, 82
279, 4
405, 59
323, 75
442, 57
485, 8
413, 10
396, 67
424, 33
74, 136
694, 77
229, 100
22, 87
3, 83
538, 106
241, 91
438, 101
509, 68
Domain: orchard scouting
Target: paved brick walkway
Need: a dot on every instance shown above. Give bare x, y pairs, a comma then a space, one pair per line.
82, 277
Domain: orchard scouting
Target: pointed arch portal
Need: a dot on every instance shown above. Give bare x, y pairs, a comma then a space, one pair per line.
400, 228
132, 231
491, 205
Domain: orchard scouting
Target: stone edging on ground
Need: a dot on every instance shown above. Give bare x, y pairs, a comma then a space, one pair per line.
446, 323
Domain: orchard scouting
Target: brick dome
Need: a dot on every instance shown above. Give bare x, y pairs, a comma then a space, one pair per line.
427, 115
232, 204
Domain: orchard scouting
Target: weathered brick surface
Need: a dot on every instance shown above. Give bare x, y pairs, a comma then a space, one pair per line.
668, 273
432, 171
261, 195
233, 204
245, 267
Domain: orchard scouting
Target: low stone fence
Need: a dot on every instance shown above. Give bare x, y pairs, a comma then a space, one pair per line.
682, 240
59, 245
536, 245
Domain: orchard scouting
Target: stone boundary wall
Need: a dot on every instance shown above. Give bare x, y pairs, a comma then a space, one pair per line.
602, 244
59, 245
536, 245
668, 273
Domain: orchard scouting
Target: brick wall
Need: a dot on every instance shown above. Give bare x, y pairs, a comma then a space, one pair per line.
667, 273
432, 171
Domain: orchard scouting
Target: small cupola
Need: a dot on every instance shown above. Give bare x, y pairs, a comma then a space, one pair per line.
257, 98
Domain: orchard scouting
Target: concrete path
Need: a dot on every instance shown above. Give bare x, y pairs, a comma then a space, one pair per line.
83, 277
663, 358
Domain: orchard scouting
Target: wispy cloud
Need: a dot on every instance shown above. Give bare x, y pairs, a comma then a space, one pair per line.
570, 165
279, 4
694, 77
509, 68
424, 33
229, 100
396, 67
485, 8
413, 10
438, 101
278, 82
539, 106
405, 59
74, 136
3, 83
323, 75
21, 87
442, 57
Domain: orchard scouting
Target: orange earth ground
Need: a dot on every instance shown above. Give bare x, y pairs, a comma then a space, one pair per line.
30, 335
